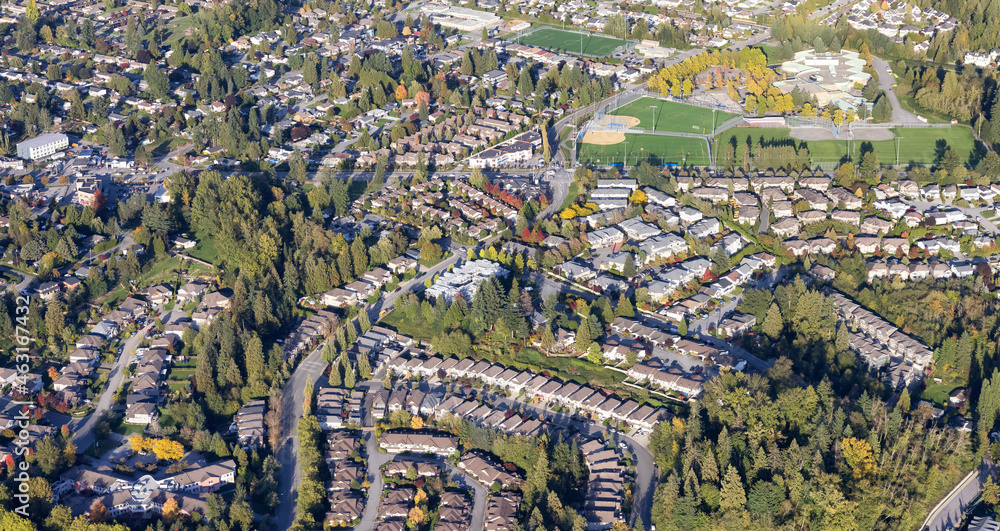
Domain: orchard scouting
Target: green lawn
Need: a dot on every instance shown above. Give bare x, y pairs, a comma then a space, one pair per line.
578, 370
571, 41
672, 116
574, 190
165, 270
129, 429
166, 145
416, 328
205, 250
177, 27
181, 373
916, 145
657, 149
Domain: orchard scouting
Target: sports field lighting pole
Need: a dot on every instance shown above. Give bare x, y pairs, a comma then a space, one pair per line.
654, 116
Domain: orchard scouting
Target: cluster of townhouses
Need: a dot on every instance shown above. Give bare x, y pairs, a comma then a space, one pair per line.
464, 280
546, 390
879, 343
347, 473
337, 407
605, 485
304, 335
143, 497
456, 205
725, 285
917, 270
250, 428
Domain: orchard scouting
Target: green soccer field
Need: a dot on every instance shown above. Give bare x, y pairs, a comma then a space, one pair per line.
916, 145
570, 41
657, 149
672, 116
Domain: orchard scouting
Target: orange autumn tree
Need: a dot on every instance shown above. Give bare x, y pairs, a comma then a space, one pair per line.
167, 449
138, 443
98, 512
170, 510
400, 92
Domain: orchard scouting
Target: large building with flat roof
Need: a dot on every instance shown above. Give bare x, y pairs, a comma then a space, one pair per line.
43, 146
831, 77
460, 18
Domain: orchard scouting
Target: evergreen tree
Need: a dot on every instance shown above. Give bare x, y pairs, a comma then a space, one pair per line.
624, 308
364, 367
773, 323
733, 494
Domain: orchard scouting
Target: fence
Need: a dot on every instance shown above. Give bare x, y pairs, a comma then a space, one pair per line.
619, 101
728, 124
810, 121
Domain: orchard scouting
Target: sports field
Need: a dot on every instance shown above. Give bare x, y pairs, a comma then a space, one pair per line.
916, 145
657, 149
672, 116
570, 41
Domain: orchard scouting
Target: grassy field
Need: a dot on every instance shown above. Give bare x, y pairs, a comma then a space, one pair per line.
657, 148
205, 250
415, 328
916, 145
570, 41
166, 145
177, 27
167, 270
672, 116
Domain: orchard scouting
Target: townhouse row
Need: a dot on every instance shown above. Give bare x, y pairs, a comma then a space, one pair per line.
547, 390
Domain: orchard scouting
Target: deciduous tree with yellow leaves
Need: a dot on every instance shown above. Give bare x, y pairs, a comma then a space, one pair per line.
858, 454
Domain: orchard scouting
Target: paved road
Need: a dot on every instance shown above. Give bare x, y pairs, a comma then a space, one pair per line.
885, 82
83, 435
311, 367
26, 279
949, 512
376, 460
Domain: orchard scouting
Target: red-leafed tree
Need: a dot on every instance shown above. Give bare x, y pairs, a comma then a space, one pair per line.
99, 202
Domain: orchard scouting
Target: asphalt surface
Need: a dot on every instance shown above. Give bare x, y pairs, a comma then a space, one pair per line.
949, 513
885, 82
313, 367
83, 429
646, 471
